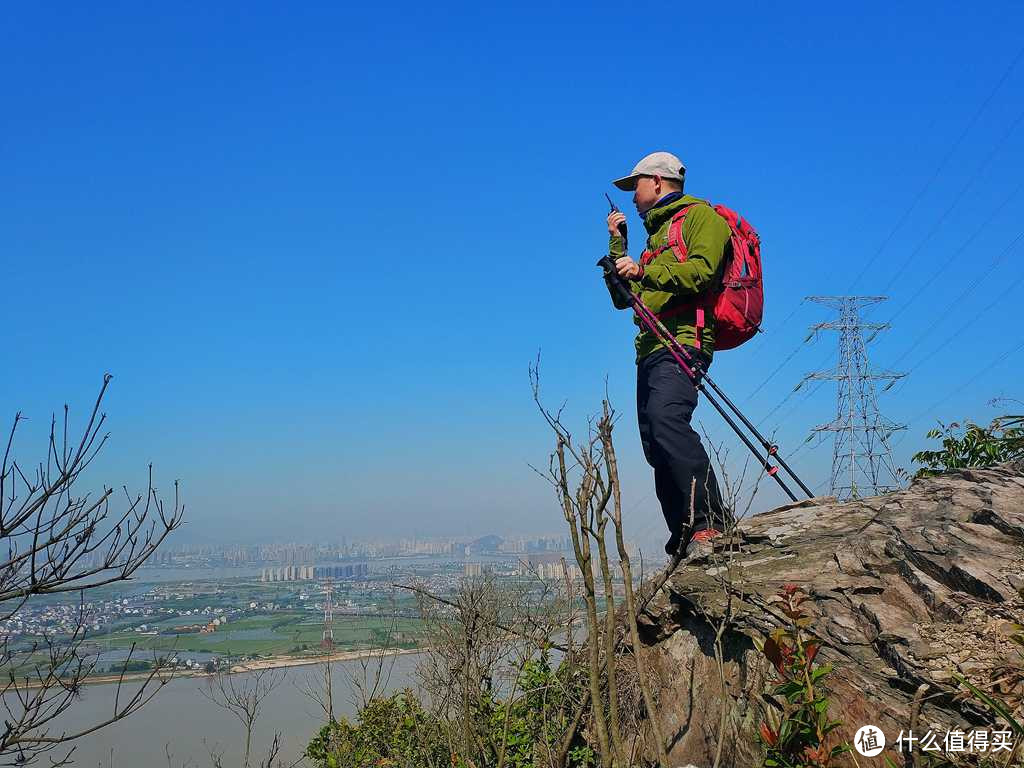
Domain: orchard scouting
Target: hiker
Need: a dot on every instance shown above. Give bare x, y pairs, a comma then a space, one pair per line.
677, 292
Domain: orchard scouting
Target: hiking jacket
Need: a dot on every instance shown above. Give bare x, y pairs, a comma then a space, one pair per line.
670, 286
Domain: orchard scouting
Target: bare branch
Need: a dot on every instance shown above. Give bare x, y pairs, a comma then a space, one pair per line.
60, 540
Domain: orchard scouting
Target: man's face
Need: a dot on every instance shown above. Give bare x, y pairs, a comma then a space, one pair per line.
647, 193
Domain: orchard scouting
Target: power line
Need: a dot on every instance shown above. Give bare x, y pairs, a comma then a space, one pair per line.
935, 274
956, 200
811, 391
764, 336
807, 444
963, 294
783, 420
827, 360
648, 529
938, 169
781, 403
988, 308
963, 386
914, 204
772, 375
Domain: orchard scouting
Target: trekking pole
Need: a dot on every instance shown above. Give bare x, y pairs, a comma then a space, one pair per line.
770, 448
685, 361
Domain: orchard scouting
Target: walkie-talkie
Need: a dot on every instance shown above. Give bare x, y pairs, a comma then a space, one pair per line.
622, 226
621, 296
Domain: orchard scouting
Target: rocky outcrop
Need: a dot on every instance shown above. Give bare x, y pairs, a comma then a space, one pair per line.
905, 589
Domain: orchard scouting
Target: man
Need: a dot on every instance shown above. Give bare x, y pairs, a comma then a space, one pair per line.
678, 293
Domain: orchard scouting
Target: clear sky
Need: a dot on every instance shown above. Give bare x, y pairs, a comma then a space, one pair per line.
318, 247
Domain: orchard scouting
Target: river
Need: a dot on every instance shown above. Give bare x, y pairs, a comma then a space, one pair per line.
181, 717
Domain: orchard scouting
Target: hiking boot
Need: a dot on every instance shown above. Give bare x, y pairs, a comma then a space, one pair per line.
701, 543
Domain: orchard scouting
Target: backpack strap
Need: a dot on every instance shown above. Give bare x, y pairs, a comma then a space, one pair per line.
675, 234
673, 242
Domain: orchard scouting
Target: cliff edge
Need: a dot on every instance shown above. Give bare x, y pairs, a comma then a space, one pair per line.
905, 589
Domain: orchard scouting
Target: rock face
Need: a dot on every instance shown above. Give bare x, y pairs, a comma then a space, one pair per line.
905, 589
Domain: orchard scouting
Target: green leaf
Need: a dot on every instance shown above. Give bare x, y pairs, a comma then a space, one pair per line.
996, 706
785, 729
820, 672
789, 689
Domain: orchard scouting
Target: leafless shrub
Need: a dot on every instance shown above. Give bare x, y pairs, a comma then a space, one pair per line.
585, 477
738, 496
57, 540
243, 695
467, 648
371, 673
478, 643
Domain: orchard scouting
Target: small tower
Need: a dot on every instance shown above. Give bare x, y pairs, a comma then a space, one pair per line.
328, 637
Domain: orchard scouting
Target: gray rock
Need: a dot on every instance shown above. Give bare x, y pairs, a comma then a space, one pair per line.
901, 588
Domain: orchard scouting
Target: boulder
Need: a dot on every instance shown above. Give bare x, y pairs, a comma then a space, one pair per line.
905, 590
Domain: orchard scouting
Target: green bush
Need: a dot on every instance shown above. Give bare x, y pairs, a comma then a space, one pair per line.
392, 731
539, 716
397, 731
971, 445
801, 735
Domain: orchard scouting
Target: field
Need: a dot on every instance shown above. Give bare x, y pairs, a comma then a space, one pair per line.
279, 633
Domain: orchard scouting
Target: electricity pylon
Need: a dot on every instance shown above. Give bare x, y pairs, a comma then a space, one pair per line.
862, 462
328, 637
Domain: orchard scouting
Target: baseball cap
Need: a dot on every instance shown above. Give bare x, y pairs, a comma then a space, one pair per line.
663, 164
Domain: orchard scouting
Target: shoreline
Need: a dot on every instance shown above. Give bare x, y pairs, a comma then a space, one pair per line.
302, 661
277, 662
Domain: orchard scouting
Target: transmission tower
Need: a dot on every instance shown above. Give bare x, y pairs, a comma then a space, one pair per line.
328, 639
862, 462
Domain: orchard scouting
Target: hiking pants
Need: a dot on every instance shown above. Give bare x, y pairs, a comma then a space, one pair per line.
665, 399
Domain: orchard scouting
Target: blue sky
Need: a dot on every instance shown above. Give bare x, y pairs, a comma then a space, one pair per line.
318, 247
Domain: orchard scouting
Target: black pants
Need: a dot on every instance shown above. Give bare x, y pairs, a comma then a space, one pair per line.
665, 400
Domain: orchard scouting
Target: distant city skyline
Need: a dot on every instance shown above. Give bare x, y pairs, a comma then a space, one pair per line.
304, 560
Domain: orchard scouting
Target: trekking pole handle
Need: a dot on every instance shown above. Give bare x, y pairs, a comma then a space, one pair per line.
622, 293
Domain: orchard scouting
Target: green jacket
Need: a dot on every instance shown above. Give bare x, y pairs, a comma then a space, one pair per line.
668, 283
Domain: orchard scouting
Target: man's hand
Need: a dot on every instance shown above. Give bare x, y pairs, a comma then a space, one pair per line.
627, 268
614, 219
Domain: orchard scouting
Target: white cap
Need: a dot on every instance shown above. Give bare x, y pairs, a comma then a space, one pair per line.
663, 164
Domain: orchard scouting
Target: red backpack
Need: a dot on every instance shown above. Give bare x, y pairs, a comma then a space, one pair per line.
739, 303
